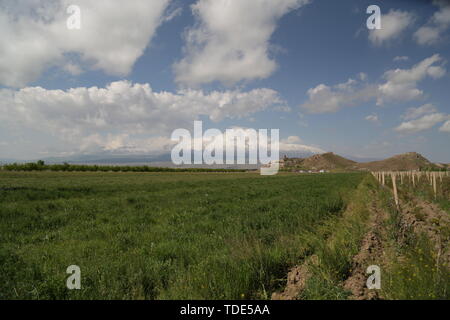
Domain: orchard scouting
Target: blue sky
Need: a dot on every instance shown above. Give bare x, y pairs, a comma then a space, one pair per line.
130, 76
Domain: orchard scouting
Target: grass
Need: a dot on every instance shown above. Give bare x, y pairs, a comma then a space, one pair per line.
335, 243
411, 267
414, 269
419, 275
168, 235
424, 190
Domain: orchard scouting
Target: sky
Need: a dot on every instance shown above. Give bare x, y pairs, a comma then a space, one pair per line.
133, 73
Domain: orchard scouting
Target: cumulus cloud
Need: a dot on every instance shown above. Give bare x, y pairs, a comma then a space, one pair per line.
328, 99
372, 118
427, 35
401, 58
421, 118
123, 144
393, 24
112, 117
433, 31
112, 37
293, 144
231, 40
414, 113
445, 127
292, 139
397, 85
401, 84
421, 124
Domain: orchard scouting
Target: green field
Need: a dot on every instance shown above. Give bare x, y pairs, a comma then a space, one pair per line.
161, 235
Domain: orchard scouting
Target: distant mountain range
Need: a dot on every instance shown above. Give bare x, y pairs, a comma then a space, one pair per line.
301, 161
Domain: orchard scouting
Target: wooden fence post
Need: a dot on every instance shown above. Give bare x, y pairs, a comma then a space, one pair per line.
394, 186
434, 184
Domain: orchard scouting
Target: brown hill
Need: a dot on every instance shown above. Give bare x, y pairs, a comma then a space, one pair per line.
325, 161
333, 162
405, 161
443, 165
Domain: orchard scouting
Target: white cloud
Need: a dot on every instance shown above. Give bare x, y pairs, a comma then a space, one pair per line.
401, 58
173, 13
114, 116
423, 123
362, 76
73, 69
414, 113
399, 85
231, 40
124, 144
293, 144
433, 31
393, 24
445, 127
292, 139
112, 37
326, 99
372, 118
427, 35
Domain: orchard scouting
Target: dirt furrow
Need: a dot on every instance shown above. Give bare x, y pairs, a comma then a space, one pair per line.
371, 253
296, 281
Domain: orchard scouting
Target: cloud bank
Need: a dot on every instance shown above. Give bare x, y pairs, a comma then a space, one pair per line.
122, 111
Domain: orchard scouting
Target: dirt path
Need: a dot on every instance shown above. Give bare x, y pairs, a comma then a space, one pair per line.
371, 253
416, 217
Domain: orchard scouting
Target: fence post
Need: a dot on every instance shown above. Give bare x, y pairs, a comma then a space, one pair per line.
394, 186
434, 184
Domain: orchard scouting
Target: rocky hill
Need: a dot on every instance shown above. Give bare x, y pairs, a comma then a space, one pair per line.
333, 162
327, 161
405, 161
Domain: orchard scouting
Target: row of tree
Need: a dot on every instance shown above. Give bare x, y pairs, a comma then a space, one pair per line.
41, 166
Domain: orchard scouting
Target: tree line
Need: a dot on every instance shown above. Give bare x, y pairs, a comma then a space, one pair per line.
41, 166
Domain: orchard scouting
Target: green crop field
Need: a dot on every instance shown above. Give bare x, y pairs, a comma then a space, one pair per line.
160, 235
